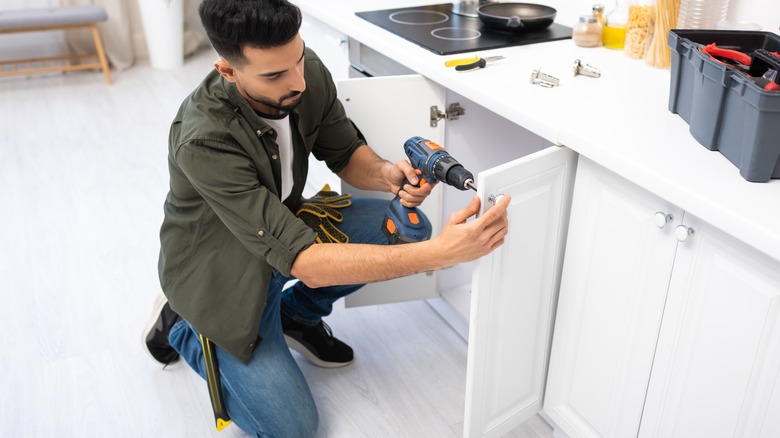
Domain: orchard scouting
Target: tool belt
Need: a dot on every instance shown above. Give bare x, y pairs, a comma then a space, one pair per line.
321, 213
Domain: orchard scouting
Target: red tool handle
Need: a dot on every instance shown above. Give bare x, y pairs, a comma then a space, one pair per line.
734, 55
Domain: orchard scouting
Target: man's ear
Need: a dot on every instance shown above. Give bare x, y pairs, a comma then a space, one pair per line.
226, 69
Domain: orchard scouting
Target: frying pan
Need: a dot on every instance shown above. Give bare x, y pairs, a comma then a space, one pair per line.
515, 17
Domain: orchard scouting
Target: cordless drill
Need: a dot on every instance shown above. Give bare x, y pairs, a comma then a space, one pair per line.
432, 163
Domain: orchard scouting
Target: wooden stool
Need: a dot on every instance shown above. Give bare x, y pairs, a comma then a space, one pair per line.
58, 18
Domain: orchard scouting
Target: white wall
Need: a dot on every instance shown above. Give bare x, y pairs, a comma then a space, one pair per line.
764, 12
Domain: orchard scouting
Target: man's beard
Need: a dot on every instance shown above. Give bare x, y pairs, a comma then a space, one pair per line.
277, 105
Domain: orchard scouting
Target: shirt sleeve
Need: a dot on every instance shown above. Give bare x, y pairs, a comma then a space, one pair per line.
337, 139
227, 179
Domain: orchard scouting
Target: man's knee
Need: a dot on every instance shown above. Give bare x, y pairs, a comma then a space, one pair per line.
294, 420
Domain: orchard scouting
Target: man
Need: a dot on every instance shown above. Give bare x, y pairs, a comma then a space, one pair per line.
230, 240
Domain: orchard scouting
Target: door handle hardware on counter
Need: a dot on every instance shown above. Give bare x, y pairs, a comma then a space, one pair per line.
470, 61
543, 79
585, 69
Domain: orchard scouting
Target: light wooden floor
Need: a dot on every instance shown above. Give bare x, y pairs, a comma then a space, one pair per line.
82, 181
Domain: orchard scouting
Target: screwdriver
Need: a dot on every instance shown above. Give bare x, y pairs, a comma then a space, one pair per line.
465, 64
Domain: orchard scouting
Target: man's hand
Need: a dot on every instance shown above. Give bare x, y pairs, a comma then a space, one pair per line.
411, 196
366, 171
467, 241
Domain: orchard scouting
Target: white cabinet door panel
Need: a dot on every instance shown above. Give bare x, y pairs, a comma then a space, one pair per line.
388, 110
514, 291
717, 369
615, 277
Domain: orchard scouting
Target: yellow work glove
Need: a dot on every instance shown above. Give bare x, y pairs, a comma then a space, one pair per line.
321, 211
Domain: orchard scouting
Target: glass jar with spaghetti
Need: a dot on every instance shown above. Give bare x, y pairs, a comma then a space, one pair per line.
658, 53
639, 28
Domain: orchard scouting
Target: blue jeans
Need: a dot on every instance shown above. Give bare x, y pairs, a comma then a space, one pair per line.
268, 396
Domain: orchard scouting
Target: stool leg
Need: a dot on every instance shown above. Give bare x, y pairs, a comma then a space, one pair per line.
101, 53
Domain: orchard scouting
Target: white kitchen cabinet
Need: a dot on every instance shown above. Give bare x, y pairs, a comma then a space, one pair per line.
716, 371
514, 292
616, 274
514, 288
388, 111
655, 337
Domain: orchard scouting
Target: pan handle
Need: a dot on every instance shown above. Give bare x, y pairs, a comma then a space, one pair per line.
514, 22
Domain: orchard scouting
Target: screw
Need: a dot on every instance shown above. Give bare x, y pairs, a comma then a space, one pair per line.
585, 70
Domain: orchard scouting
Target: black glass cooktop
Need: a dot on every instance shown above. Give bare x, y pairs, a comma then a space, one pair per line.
437, 29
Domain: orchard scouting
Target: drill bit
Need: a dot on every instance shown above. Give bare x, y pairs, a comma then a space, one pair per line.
470, 184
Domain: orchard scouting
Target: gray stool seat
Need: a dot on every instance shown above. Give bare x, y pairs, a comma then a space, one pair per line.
63, 18
51, 17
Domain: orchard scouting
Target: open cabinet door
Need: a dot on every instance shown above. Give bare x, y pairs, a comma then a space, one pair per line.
389, 110
514, 292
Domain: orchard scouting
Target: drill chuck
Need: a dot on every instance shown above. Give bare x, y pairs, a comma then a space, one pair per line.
447, 169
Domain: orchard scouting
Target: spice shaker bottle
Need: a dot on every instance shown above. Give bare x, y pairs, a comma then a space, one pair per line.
598, 11
615, 27
587, 32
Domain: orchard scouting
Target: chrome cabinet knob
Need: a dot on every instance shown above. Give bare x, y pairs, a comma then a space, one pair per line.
683, 233
493, 199
661, 219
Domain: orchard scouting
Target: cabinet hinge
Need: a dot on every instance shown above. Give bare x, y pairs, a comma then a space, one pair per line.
454, 110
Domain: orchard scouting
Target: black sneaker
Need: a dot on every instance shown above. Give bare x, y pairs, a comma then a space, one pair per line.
155, 335
317, 344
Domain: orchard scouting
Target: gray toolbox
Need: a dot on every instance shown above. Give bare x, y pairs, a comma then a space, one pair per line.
730, 108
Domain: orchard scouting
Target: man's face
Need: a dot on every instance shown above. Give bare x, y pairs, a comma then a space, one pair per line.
272, 79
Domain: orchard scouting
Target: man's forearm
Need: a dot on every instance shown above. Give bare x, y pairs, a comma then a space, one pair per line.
337, 264
367, 171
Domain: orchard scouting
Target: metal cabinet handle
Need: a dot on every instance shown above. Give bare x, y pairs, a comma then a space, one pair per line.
661, 219
683, 233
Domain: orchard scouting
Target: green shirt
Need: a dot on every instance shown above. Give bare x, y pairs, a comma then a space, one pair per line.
225, 227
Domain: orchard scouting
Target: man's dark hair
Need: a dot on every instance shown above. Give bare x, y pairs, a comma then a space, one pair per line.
232, 25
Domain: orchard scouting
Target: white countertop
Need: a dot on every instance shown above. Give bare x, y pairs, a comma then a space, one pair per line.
620, 120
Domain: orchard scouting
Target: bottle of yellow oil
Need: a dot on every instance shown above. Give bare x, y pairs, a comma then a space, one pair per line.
614, 35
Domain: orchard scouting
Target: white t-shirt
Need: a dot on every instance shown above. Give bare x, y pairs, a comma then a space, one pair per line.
284, 140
